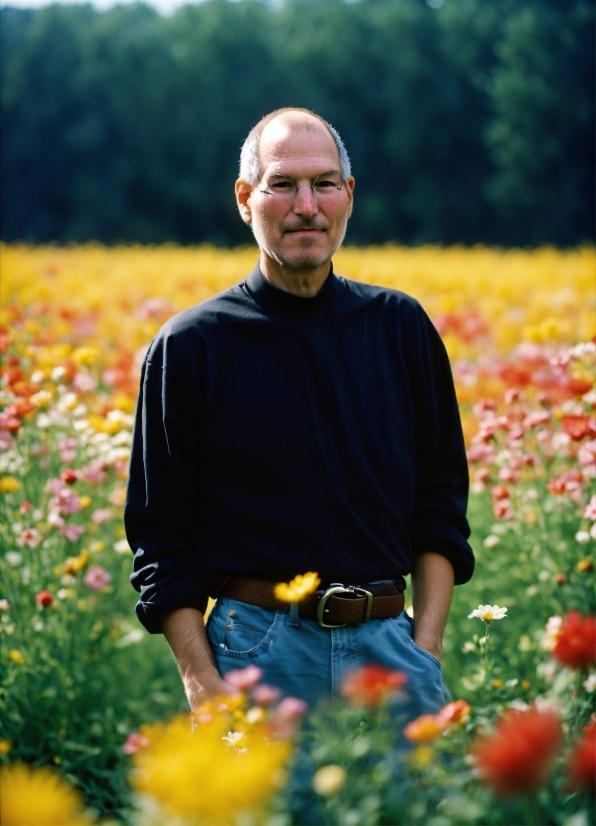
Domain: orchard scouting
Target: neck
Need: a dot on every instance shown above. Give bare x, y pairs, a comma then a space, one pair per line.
305, 282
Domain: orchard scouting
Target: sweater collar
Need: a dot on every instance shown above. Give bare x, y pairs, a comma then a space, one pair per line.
273, 298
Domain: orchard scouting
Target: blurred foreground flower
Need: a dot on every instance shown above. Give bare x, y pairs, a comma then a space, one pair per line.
301, 586
581, 767
243, 678
36, 796
329, 779
425, 729
518, 756
575, 644
205, 779
371, 684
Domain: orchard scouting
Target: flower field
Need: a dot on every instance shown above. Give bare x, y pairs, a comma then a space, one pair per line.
93, 720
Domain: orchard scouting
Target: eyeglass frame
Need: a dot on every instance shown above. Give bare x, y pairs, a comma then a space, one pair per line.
311, 186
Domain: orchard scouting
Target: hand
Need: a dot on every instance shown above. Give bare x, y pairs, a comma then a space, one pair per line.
198, 690
431, 646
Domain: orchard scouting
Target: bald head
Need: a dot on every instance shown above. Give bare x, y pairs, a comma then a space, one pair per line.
270, 133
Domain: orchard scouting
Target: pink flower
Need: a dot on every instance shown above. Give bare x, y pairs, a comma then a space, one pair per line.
134, 742
94, 472
84, 382
536, 418
586, 456
286, 715
480, 453
590, 511
101, 515
30, 537
290, 708
6, 440
265, 695
244, 678
66, 501
71, 532
97, 578
54, 486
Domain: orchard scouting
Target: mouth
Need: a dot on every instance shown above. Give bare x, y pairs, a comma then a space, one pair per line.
304, 231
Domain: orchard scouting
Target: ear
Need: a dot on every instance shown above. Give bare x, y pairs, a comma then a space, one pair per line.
243, 193
350, 184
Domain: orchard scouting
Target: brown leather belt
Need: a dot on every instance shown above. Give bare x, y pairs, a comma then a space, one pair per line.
333, 607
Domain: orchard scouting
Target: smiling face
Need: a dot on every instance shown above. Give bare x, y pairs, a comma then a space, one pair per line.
297, 235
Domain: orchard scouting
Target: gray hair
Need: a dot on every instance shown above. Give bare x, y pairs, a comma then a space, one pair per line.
250, 158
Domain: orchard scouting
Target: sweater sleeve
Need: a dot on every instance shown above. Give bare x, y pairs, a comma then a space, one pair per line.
162, 489
440, 523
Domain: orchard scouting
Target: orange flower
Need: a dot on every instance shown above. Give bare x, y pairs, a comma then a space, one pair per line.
518, 756
426, 728
575, 645
456, 712
371, 684
581, 766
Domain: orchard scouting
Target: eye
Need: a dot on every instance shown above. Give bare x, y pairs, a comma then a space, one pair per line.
281, 186
326, 184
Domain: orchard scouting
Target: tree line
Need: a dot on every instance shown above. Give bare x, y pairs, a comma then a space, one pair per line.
471, 122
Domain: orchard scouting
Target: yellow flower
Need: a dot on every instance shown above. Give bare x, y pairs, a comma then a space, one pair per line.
584, 566
422, 756
35, 796
8, 484
301, 586
203, 777
498, 683
526, 685
85, 356
5, 746
75, 564
16, 656
85, 501
329, 779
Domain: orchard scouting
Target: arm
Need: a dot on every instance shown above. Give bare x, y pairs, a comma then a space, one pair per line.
184, 630
432, 587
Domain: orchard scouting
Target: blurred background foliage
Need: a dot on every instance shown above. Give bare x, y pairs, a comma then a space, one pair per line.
472, 122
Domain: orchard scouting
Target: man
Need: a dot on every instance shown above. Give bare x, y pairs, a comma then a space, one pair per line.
298, 422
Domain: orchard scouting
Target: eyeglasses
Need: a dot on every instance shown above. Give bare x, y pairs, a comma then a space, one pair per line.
325, 188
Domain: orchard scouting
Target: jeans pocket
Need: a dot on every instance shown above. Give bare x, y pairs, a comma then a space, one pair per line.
426, 653
237, 629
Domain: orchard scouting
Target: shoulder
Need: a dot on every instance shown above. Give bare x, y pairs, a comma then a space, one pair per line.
190, 330
383, 300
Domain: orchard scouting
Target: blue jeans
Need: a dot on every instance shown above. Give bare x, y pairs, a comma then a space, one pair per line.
306, 661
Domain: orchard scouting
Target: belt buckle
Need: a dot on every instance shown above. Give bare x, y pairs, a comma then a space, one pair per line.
338, 588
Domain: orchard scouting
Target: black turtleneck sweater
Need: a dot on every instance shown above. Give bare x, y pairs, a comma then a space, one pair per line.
277, 435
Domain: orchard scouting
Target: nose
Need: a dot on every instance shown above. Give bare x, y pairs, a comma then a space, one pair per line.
305, 202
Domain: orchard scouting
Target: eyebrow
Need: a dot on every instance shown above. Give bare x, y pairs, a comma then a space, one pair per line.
318, 175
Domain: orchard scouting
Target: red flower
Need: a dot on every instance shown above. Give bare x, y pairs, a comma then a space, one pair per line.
518, 756
69, 476
499, 492
577, 427
370, 684
44, 599
575, 645
581, 766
